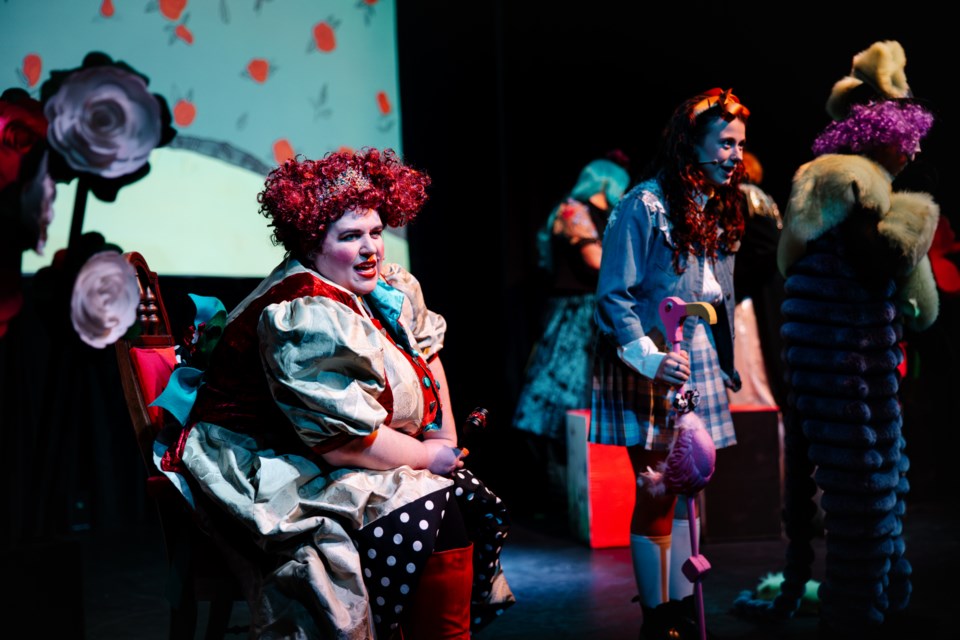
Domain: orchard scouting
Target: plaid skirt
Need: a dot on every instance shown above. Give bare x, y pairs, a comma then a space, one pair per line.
628, 409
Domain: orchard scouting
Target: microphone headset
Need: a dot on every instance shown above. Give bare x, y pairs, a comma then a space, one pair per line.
709, 162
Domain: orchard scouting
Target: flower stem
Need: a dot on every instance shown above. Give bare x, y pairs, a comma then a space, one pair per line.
79, 208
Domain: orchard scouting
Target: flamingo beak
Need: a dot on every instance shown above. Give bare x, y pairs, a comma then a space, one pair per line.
704, 310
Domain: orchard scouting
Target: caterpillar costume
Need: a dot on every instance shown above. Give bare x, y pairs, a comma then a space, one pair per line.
854, 254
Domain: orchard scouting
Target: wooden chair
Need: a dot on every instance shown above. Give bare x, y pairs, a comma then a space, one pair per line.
197, 568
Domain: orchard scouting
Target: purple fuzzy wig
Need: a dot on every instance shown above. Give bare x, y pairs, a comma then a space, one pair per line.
876, 124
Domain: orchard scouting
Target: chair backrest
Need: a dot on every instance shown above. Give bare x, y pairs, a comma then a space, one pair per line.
197, 569
145, 364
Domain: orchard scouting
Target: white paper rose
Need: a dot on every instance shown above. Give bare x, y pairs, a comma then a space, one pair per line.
104, 121
105, 299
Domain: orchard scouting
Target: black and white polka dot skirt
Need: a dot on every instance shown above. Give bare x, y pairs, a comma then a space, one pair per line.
394, 550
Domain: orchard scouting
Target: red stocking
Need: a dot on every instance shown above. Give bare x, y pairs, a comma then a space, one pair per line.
440, 609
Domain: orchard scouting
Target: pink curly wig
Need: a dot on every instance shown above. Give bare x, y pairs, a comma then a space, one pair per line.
303, 197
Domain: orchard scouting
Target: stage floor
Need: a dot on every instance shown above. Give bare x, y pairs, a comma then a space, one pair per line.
564, 589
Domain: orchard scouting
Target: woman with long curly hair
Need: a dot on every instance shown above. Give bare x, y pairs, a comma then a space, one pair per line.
323, 424
674, 234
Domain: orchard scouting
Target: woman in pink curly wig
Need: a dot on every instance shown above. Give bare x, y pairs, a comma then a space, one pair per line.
303, 197
323, 424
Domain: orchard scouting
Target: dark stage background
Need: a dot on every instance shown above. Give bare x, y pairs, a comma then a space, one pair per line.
504, 108
503, 103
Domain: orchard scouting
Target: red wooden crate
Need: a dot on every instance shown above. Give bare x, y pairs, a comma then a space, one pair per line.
600, 485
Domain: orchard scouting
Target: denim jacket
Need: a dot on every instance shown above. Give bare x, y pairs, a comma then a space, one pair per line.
636, 274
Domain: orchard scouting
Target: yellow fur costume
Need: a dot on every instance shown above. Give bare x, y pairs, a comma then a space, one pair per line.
824, 193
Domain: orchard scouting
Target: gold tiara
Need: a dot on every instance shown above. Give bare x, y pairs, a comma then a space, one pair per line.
348, 180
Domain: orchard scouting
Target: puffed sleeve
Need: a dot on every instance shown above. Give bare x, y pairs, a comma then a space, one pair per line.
427, 328
324, 364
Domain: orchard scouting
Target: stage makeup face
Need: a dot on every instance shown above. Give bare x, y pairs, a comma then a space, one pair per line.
721, 149
352, 251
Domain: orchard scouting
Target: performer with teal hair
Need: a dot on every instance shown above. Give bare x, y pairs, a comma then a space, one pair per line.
557, 376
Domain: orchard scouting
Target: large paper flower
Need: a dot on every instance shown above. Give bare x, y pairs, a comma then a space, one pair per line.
104, 121
25, 197
104, 301
26, 190
22, 128
103, 124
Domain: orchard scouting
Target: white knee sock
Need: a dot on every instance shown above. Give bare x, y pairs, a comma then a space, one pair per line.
680, 586
651, 567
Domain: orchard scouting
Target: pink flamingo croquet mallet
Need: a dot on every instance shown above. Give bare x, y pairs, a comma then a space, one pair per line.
692, 458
